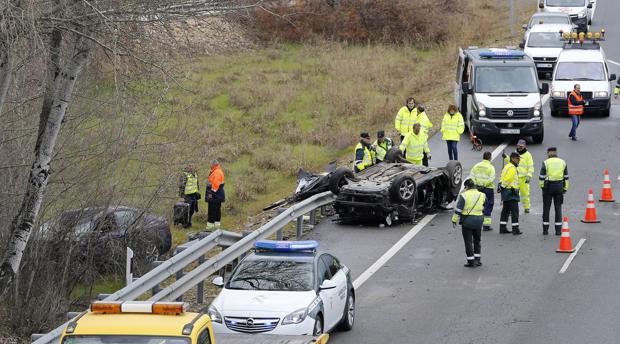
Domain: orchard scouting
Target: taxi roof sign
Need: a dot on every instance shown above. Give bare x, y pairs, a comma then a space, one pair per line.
286, 246
494, 53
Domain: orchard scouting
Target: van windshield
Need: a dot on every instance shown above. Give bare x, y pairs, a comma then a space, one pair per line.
545, 40
549, 20
566, 3
506, 79
580, 71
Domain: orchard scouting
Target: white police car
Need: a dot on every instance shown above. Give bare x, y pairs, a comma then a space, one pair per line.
285, 288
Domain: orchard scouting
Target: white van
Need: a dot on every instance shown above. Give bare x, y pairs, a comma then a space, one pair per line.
544, 44
585, 65
580, 11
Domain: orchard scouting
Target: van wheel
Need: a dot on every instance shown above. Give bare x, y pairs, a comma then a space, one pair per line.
538, 139
605, 113
554, 113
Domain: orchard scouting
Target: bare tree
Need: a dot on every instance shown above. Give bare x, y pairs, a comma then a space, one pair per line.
67, 32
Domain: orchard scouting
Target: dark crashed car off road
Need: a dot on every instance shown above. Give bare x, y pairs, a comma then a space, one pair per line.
394, 190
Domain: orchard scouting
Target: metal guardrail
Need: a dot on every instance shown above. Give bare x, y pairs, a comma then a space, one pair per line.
236, 244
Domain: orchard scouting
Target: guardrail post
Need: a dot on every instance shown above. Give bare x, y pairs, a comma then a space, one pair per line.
300, 227
313, 217
322, 210
200, 288
156, 288
128, 267
179, 275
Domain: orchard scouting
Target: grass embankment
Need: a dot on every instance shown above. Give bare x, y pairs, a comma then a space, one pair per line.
267, 112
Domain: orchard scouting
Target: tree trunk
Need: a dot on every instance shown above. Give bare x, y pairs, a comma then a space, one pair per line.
5, 73
23, 222
51, 81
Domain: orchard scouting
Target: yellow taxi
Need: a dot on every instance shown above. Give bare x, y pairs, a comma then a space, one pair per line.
146, 322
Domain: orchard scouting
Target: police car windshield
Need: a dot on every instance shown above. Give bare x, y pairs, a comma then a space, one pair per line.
508, 79
549, 20
566, 3
545, 40
580, 71
124, 340
268, 274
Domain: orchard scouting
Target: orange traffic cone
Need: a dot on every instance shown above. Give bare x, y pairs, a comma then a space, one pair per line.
590, 210
566, 245
606, 195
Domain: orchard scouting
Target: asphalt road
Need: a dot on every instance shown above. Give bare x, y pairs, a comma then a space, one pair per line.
423, 294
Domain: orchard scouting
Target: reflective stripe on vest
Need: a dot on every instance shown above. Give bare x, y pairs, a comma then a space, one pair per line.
510, 184
367, 161
575, 109
483, 174
191, 185
382, 148
415, 146
474, 202
555, 169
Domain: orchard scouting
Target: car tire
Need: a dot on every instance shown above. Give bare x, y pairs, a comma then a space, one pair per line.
403, 189
554, 113
394, 155
605, 113
339, 178
317, 330
538, 139
455, 173
348, 318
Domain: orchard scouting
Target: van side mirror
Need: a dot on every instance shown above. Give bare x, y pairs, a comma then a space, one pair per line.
524, 26
466, 87
522, 45
612, 77
541, 5
218, 281
545, 88
590, 5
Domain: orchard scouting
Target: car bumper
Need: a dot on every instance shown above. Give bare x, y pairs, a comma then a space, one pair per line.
494, 127
302, 329
560, 105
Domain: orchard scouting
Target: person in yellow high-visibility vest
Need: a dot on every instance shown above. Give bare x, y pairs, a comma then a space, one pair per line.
468, 213
415, 146
526, 171
364, 154
188, 191
452, 126
405, 118
483, 175
509, 190
617, 89
381, 146
426, 125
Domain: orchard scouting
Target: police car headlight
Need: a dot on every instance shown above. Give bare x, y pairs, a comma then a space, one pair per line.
296, 317
537, 109
214, 314
558, 94
601, 94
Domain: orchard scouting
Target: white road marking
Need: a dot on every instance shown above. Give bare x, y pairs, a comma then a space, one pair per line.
614, 62
376, 266
572, 255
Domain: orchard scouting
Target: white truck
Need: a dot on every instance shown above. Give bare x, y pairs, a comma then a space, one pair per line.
580, 11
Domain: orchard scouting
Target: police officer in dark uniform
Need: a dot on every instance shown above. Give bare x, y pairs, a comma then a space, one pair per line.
468, 213
553, 181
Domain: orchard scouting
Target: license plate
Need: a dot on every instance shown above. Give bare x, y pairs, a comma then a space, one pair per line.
544, 65
510, 131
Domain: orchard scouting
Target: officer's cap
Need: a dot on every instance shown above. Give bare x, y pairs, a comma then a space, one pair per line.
469, 183
364, 135
521, 142
515, 155
552, 149
380, 134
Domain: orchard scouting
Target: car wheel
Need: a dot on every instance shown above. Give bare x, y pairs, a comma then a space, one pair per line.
318, 326
349, 314
554, 113
605, 113
338, 179
403, 188
394, 155
538, 139
455, 173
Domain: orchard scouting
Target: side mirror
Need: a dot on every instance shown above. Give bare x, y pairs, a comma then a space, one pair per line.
327, 284
466, 87
590, 5
522, 45
545, 88
524, 26
218, 281
541, 5
612, 77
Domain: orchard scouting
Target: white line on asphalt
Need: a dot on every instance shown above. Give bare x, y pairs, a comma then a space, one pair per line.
376, 266
614, 62
572, 255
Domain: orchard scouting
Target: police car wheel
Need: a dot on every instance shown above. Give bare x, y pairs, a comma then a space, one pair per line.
318, 326
349, 314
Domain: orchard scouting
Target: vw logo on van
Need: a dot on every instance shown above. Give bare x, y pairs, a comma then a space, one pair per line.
510, 113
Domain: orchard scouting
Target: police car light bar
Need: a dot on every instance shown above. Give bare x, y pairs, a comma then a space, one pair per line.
501, 54
286, 246
117, 307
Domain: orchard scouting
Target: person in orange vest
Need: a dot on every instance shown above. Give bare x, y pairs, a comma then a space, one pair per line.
576, 107
215, 195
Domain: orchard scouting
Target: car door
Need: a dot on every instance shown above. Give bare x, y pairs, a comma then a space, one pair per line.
329, 296
340, 278
460, 67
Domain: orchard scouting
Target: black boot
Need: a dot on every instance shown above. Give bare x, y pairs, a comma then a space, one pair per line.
487, 228
503, 230
516, 231
477, 261
558, 232
545, 231
470, 264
